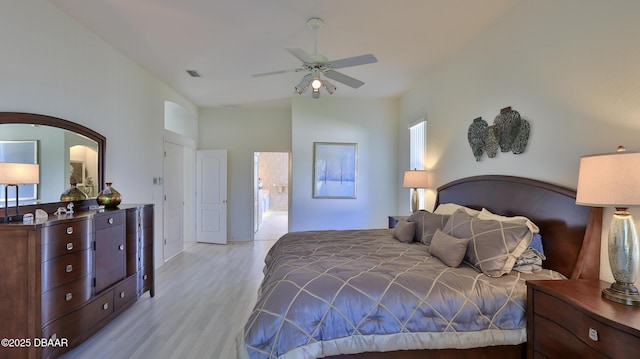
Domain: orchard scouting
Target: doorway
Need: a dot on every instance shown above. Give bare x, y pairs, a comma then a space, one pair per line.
173, 200
270, 195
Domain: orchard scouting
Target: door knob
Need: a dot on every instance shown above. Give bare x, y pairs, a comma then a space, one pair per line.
223, 201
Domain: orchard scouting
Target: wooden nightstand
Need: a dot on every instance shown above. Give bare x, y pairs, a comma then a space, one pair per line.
570, 319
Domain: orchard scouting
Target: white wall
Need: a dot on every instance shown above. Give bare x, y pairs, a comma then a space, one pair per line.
570, 67
52, 65
243, 132
372, 124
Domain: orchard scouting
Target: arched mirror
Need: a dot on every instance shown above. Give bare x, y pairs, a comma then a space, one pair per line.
66, 152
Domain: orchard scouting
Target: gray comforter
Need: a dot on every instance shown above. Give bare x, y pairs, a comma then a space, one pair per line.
342, 292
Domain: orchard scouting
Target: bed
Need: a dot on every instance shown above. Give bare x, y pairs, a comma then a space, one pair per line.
366, 294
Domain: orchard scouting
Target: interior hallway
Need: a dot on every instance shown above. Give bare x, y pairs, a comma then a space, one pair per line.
274, 225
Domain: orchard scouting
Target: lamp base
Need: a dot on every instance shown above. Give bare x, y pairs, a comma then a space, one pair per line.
414, 200
622, 293
14, 218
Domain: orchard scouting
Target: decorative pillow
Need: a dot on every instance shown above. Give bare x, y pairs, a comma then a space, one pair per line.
448, 249
485, 214
536, 243
426, 225
404, 231
531, 260
450, 208
494, 245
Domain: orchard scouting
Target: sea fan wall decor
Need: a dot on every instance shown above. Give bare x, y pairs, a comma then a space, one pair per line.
491, 141
522, 138
476, 135
509, 133
508, 125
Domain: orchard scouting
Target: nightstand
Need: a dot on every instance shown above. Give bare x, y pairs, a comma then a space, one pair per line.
570, 319
393, 220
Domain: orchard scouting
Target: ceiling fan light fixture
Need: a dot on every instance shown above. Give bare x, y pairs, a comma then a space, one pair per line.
303, 85
316, 84
331, 88
315, 93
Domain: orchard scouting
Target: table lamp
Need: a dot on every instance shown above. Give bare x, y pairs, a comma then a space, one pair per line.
415, 179
12, 175
613, 180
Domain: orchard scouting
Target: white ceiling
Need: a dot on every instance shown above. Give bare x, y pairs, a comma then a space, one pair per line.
227, 41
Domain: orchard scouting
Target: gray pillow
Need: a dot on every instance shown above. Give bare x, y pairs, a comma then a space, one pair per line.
404, 231
426, 225
448, 249
494, 245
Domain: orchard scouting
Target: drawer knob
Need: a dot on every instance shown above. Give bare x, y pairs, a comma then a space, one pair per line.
69, 230
105, 306
145, 277
68, 268
121, 247
122, 294
110, 220
68, 297
593, 334
69, 246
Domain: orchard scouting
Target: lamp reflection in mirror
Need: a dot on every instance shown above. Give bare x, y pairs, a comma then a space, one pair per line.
415, 179
613, 180
12, 175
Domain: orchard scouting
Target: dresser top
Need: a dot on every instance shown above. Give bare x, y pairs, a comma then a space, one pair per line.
77, 215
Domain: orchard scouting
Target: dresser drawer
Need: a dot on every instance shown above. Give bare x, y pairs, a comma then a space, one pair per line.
124, 292
65, 298
109, 219
61, 239
546, 338
591, 332
77, 323
65, 269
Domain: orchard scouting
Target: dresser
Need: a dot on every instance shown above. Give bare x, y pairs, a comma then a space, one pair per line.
570, 319
65, 278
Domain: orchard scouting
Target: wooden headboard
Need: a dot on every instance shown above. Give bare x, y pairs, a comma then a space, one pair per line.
570, 233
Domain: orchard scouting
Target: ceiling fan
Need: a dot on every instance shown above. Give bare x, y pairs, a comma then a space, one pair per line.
318, 65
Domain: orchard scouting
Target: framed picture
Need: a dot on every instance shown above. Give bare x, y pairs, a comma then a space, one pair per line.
335, 169
20, 152
77, 172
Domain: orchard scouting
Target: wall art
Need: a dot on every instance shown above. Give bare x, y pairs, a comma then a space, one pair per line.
334, 170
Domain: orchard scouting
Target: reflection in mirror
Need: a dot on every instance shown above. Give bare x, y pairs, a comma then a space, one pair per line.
67, 153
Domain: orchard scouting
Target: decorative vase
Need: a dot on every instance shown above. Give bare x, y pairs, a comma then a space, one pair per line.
475, 134
73, 193
109, 197
508, 124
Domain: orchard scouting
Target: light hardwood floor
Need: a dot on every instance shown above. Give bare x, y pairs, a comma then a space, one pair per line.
274, 225
203, 297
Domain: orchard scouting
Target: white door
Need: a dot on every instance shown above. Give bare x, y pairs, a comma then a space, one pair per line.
211, 196
173, 200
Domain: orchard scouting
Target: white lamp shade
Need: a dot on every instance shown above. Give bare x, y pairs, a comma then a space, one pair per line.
19, 173
609, 180
415, 179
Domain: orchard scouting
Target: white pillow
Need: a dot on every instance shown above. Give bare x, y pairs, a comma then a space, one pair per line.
486, 214
450, 208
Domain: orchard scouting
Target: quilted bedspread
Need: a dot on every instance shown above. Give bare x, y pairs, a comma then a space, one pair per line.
343, 292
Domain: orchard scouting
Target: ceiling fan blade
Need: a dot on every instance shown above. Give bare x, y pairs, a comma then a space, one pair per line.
301, 55
352, 61
277, 72
340, 77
